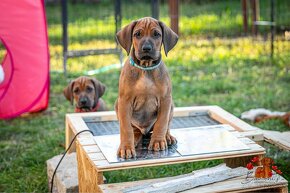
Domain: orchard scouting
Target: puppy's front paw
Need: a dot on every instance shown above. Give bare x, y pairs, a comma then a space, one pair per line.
157, 144
126, 151
170, 139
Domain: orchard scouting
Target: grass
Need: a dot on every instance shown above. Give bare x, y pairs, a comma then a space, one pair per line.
211, 65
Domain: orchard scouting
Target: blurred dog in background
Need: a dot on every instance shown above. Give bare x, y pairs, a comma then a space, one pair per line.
86, 92
261, 114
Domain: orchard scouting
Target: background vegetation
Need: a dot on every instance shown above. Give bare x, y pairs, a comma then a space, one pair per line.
214, 63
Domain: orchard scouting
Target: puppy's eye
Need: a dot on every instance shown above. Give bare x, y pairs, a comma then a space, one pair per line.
156, 34
89, 89
137, 34
76, 90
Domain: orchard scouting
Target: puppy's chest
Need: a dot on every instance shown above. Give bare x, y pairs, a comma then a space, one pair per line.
146, 85
146, 96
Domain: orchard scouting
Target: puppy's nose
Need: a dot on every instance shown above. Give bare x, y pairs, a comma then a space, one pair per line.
83, 101
146, 48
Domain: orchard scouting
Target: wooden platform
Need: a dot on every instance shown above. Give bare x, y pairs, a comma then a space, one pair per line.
238, 184
279, 139
92, 162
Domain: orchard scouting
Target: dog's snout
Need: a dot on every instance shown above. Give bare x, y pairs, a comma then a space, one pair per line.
83, 100
147, 47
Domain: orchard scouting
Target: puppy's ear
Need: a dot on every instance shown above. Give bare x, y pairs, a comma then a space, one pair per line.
124, 36
99, 88
169, 37
68, 92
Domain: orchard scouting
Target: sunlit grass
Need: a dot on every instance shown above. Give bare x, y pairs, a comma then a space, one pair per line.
189, 53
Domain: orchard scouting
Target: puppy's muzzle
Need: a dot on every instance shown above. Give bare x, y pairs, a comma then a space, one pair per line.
146, 48
84, 102
147, 52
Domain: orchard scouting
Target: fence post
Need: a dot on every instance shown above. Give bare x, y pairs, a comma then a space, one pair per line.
245, 15
118, 15
155, 9
272, 27
255, 14
118, 20
64, 33
174, 15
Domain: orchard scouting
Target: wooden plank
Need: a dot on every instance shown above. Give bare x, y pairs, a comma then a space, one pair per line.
240, 161
279, 139
225, 117
96, 156
238, 185
189, 181
246, 140
86, 141
255, 135
69, 134
101, 163
185, 111
76, 123
72, 128
91, 149
106, 166
235, 184
104, 115
88, 175
237, 134
111, 115
254, 150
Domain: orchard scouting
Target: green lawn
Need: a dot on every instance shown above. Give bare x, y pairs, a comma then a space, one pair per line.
211, 65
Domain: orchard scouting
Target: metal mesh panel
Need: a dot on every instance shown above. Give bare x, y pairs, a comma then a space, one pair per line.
112, 127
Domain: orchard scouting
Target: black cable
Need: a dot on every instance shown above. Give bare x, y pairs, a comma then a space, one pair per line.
51, 188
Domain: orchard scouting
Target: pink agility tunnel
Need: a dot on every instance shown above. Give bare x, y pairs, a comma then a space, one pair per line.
26, 64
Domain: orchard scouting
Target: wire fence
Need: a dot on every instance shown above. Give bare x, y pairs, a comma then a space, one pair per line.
92, 25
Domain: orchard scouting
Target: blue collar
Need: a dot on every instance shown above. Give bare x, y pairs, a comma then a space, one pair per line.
144, 68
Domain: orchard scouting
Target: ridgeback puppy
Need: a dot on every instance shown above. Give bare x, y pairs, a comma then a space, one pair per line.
86, 92
145, 101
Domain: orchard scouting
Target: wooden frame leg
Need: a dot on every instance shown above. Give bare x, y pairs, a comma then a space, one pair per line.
69, 135
88, 176
240, 161
284, 189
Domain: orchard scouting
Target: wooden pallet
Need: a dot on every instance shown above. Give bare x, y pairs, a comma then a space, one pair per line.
279, 139
237, 184
75, 121
92, 163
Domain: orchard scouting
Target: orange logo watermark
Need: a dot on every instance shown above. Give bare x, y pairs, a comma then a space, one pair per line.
265, 170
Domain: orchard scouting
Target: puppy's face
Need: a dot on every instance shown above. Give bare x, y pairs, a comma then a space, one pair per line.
147, 35
85, 92
147, 39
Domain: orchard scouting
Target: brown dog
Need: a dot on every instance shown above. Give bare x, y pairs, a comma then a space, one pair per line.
86, 92
264, 172
145, 101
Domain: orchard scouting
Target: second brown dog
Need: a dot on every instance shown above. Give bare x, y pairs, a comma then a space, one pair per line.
86, 92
